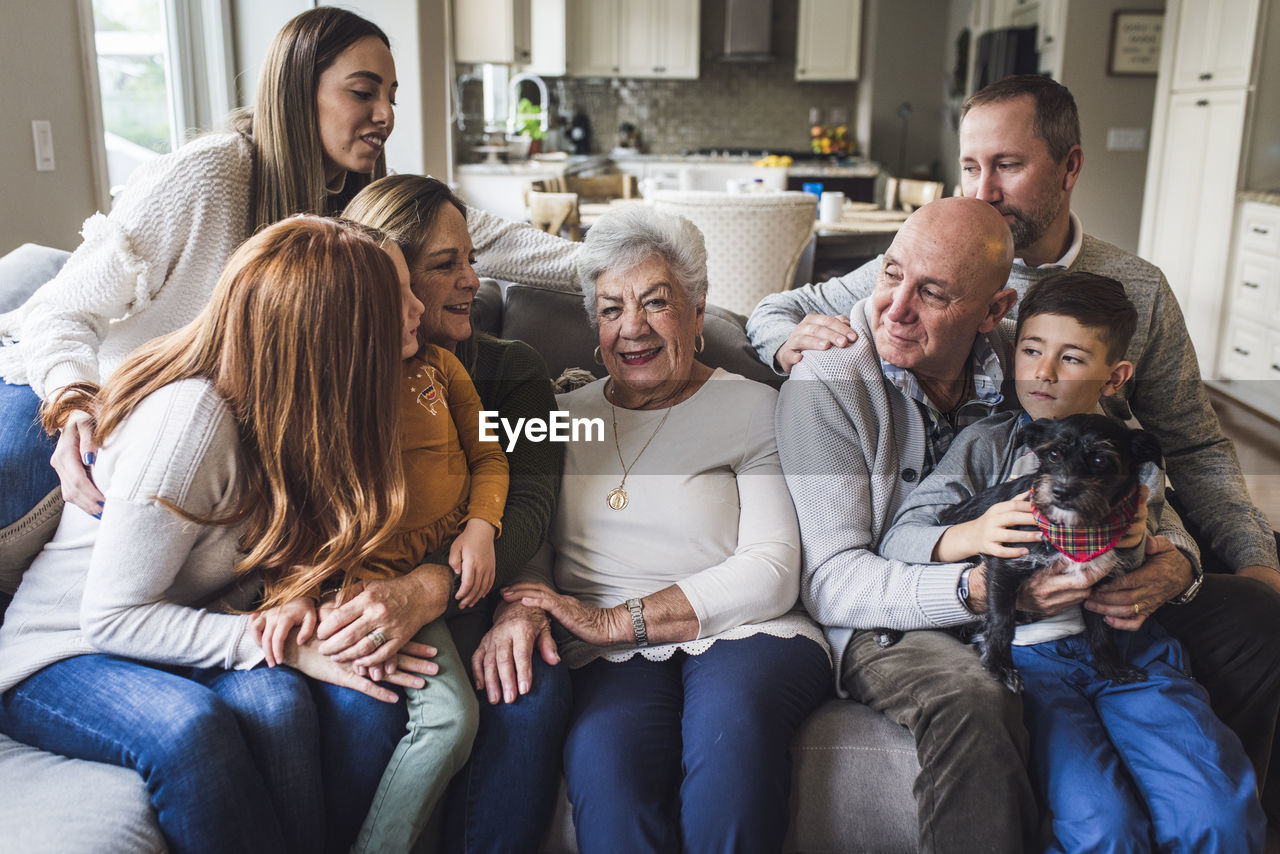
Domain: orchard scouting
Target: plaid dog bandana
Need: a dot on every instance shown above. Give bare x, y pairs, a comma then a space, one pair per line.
1083, 543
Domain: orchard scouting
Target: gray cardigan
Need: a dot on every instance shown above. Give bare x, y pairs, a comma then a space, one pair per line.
1166, 394
852, 448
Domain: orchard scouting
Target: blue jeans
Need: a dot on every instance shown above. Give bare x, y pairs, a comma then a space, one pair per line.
503, 798
1139, 767
358, 734
229, 757
24, 453
691, 754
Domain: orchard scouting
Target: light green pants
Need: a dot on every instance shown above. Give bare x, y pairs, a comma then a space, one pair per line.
443, 717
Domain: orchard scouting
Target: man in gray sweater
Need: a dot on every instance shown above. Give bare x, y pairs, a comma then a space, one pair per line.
1020, 151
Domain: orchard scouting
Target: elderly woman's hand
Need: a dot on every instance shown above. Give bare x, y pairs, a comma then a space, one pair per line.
599, 626
503, 663
396, 607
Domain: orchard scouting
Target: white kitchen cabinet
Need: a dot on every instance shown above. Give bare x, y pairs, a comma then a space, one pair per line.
634, 38
829, 40
1214, 44
1250, 359
594, 27
1193, 207
1193, 171
494, 31
548, 38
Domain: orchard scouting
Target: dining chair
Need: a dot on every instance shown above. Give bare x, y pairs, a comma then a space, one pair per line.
555, 212
618, 185
754, 240
908, 193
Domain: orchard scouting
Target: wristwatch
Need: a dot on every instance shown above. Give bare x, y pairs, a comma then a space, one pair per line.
636, 607
962, 590
1192, 589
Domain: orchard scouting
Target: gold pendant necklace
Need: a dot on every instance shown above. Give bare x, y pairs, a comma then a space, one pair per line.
617, 497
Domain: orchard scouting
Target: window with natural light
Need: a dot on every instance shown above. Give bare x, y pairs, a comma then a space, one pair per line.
134, 78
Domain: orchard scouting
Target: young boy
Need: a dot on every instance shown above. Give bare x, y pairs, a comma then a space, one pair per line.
1131, 767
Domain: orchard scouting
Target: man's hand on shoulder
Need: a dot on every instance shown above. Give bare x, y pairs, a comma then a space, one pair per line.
815, 332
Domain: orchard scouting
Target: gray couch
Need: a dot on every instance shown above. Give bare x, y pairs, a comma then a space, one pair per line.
853, 769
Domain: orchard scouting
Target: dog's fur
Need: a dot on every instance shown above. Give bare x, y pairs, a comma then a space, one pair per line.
1088, 464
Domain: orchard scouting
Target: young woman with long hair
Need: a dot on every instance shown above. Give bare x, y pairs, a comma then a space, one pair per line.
260, 437
313, 138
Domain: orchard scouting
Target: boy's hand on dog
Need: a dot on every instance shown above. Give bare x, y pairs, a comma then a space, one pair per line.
995, 533
1126, 602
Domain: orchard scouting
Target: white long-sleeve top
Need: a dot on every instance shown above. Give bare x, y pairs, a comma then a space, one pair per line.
708, 511
142, 582
149, 267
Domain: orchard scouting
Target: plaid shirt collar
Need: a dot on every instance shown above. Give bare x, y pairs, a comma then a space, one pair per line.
1082, 543
939, 430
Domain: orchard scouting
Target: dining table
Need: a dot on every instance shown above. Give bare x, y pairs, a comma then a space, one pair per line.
864, 231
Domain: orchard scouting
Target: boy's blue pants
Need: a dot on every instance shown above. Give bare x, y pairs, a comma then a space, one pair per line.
1138, 767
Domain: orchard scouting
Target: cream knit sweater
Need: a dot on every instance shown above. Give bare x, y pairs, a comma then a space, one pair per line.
150, 266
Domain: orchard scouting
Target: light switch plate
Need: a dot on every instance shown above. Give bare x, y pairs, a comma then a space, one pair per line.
42, 136
1126, 139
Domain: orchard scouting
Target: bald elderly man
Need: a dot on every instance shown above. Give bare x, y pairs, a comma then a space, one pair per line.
857, 428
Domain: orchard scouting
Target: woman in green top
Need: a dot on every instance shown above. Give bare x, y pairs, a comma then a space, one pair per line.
517, 748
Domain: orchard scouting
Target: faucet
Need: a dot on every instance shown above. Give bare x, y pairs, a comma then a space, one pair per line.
513, 98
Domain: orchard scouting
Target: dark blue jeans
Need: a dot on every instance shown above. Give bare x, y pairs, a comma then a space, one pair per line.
691, 754
358, 734
503, 798
24, 453
233, 759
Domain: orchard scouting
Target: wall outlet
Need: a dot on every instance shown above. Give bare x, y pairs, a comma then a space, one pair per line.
1126, 139
42, 136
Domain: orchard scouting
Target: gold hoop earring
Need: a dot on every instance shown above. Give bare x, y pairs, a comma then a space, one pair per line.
595, 356
699, 344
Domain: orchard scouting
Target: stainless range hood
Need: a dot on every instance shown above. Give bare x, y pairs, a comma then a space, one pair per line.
748, 26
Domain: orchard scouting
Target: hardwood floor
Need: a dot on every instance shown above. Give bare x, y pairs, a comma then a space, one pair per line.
1257, 441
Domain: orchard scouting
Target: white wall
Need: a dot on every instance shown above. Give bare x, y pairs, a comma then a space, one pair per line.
1108, 196
40, 63
416, 29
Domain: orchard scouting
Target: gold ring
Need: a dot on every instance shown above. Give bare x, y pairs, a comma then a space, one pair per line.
377, 637
1137, 608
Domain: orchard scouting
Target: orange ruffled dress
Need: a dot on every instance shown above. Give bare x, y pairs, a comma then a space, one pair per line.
451, 476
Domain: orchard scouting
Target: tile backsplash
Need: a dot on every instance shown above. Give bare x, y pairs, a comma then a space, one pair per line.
757, 105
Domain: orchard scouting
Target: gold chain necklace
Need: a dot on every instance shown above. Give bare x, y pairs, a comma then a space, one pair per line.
617, 497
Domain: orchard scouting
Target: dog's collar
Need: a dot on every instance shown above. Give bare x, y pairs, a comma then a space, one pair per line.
1083, 543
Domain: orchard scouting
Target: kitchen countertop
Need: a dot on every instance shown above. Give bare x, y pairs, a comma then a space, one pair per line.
1266, 197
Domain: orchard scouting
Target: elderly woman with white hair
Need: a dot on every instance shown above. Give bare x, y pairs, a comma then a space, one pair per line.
673, 566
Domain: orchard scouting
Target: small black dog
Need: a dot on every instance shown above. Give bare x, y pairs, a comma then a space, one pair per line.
1086, 483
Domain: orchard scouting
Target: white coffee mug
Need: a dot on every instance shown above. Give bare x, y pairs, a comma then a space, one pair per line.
831, 206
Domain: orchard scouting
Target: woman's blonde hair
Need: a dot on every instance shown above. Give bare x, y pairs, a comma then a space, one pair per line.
299, 340
288, 160
405, 208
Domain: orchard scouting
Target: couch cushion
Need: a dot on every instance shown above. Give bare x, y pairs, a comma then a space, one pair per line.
55, 805
486, 308
25, 269
555, 324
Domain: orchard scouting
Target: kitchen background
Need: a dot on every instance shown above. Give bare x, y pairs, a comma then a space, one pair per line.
759, 105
